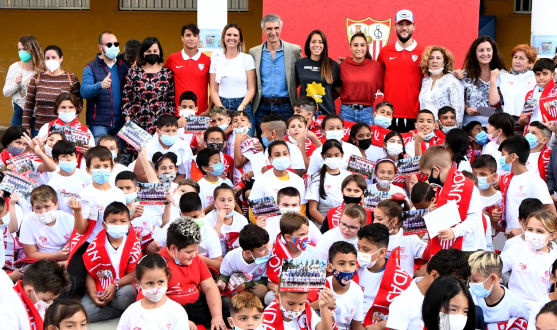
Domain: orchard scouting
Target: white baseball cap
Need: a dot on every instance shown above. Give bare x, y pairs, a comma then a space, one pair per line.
404, 15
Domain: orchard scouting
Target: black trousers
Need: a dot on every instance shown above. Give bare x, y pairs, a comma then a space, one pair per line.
402, 125
76, 272
199, 312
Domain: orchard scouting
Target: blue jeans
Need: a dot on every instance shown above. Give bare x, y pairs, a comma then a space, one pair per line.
232, 104
17, 117
265, 108
364, 115
100, 131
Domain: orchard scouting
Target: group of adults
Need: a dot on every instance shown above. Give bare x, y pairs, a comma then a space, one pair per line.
140, 85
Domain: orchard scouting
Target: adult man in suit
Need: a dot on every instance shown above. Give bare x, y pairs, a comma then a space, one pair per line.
275, 61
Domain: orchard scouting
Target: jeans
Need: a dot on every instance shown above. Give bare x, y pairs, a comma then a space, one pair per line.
123, 298
364, 115
266, 108
232, 104
100, 131
17, 117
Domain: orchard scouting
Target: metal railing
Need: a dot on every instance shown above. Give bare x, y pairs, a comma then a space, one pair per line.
176, 5
45, 4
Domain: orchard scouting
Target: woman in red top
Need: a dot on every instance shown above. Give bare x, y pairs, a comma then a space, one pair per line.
361, 78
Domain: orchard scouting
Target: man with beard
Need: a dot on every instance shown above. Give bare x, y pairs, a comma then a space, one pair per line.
403, 76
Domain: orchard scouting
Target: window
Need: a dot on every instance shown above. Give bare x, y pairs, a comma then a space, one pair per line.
523, 6
45, 4
176, 5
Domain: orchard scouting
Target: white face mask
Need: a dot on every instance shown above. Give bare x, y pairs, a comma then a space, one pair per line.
40, 305
48, 150
394, 149
289, 314
447, 129
384, 183
176, 199
364, 259
47, 217
285, 210
67, 117
535, 241
436, 72
5, 221
52, 65
452, 321
155, 294
332, 163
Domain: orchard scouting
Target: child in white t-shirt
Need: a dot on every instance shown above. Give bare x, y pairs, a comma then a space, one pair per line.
500, 127
385, 171
110, 142
485, 169
211, 165
538, 136
552, 296
155, 310
11, 216
527, 207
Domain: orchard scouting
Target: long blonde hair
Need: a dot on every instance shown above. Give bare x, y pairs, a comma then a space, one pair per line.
31, 45
547, 219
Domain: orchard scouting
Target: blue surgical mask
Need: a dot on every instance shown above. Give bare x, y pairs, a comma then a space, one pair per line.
481, 138
265, 141
478, 290
241, 130
100, 176
114, 154
281, 163
231, 214
343, 278
67, 166
168, 140
218, 169
111, 52
506, 167
177, 261
482, 182
116, 231
130, 197
223, 126
335, 135
382, 121
261, 260
532, 140
429, 136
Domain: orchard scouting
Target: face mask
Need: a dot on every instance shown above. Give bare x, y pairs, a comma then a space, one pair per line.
300, 242
452, 321
24, 56
281, 163
429, 136
289, 210
155, 294
187, 113
390, 230
343, 278
261, 260
114, 154
48, 150
116, 231
67, 166
15, 151
364, 259
52, 65
176, 199
334, 135
130, 197
364, 144
492, 138
100, 176
216, 146
231, 214
436, 72
384, 183
332, 163
382, 121
218, 169
481, 138
152, 58
47, 217
351, 200
5, 221
447, 129
503, 162
111, 52
478, 290
535, 241
394, 149
435, 181
241, 130
289, 314
223, 126
266, 141
532, 140
292, 140
167, 177
67, 117
482, 182
40, 306
168, 140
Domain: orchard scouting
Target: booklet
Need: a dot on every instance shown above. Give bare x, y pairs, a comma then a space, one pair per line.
236, 279
266, 206
441, 218
197, 125
302, 275
413, 222
360, 165
152, 193
408, 166
22, 163
372, 198
134, 135
19, 183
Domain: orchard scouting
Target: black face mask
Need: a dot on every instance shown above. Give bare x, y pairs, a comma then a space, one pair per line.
435, 181
152, 58
215, 146
364, 144
351, 200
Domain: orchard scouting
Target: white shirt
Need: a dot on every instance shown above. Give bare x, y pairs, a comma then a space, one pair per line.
512, 241
296, 158
529, 279
180, 148
206, 190
48, 239
369, 282
525, 185
234, 262
405, 312
514, 89
18, 92
115, 255
507, 308
375, 153
273, 228
447, 91
349, 305
12, 311
74, 184
411, 247
492, 148
535, 311
19, 217
93, 203
532, 162
331, 236
316, 161
238, 223
169, 316
115, 171
332, 186
269, 185
234, 81
491, 200
464, 165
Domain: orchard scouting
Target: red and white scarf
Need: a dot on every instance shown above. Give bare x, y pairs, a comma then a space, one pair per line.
77, 240
274, 265
503, 186
547, 101
272, 318
470, 154
543, 162
334, 214
35, 319
512, 324
98, 264
394, 281
9, 244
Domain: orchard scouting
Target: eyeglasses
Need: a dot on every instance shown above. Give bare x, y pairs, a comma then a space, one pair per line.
351, 228
109, 44
215, 141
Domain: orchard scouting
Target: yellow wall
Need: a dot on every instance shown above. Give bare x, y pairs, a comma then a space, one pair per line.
512, 29
76, 32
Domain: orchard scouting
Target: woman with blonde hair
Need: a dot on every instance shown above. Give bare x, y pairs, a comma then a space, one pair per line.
440, 88
21, 72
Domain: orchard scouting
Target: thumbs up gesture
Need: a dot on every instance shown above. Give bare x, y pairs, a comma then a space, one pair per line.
106, 82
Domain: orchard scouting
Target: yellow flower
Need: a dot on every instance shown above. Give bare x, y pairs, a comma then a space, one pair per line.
316, 91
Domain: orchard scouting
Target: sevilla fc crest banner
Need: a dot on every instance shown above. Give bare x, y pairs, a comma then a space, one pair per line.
377, 32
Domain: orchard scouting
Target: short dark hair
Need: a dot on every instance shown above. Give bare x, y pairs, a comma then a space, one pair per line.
549, 308
145, 45
55, 48
46, 275
63, 148
158, 157
203, 158
450, 262
470, 126
239, 114
306, 102
116, 208
273, 116
192, 27
214, 129
457, 140
188, 95
287, 191
446, 109
100, 152
12, 133
190, 202
546, 132
126, 175
183, 232
376, 233
60, 310
504, 121
222, 187
131, 49
421, 192
486, 161
518, 145
341, 247
167, 120
151, 261
252, 237
544, 63
275, 144
331, 116
425, 111
529, 206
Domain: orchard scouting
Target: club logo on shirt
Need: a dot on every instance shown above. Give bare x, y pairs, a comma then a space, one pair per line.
522, 267
377, 32
66, 236
179, 66
43, 239
414, 58
327, 187
201, 66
